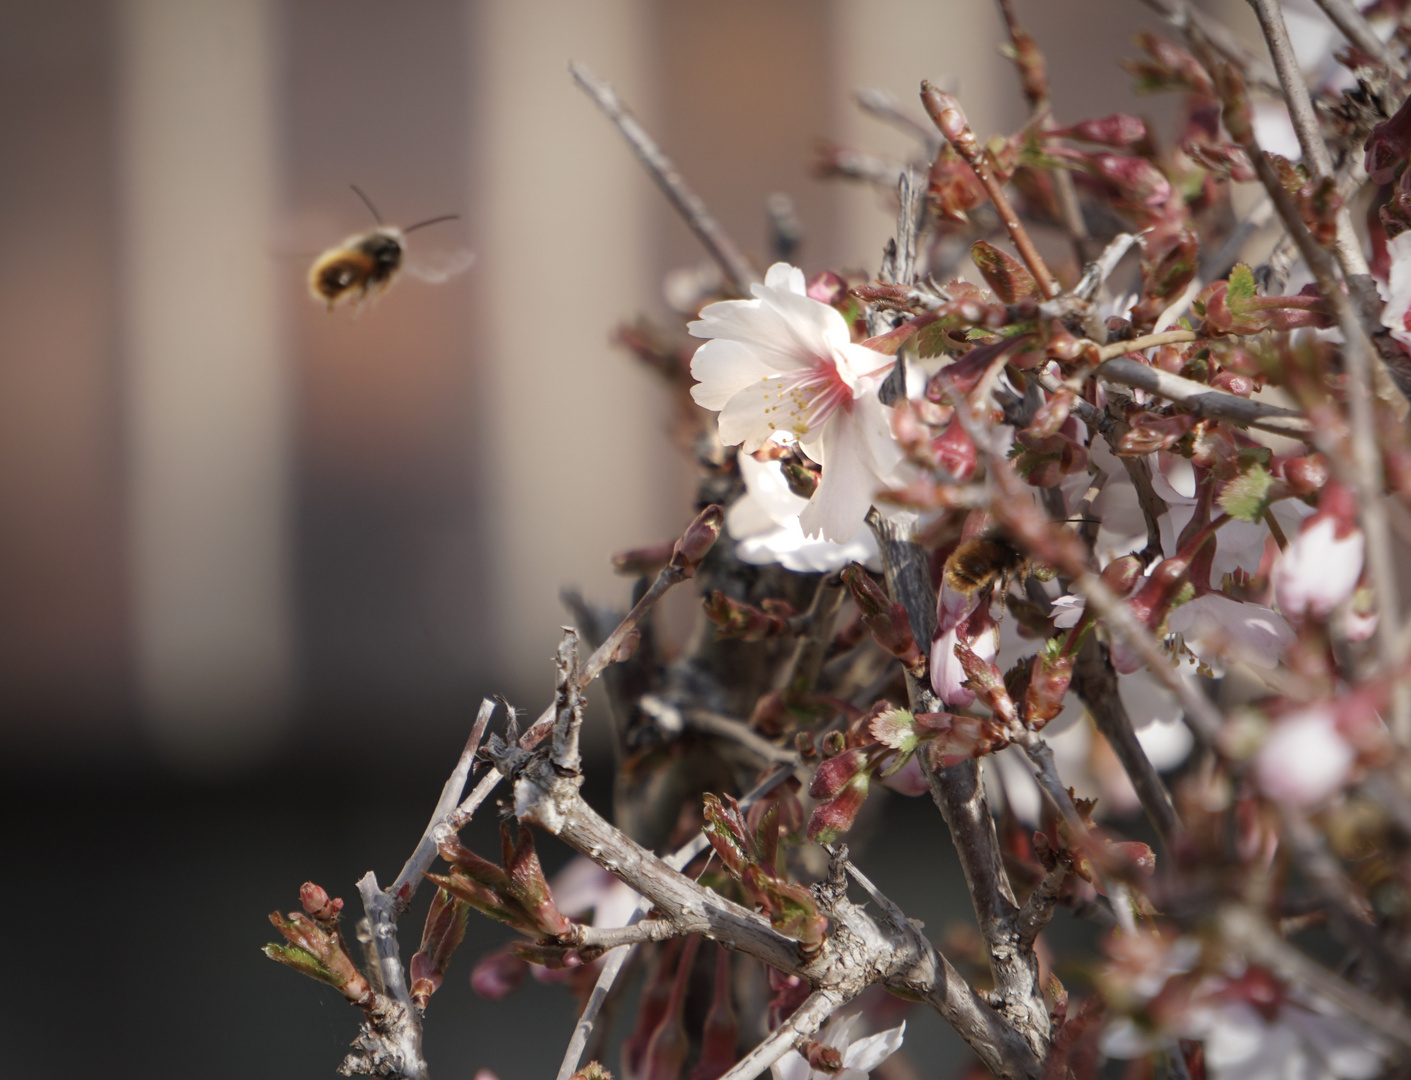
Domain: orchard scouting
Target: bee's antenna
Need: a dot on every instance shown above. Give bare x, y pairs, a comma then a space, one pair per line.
431, 221
366, 202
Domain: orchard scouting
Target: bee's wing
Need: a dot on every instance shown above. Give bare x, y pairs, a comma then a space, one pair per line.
436, 267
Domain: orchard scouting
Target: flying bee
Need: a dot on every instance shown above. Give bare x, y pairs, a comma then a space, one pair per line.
979, 562
368, 262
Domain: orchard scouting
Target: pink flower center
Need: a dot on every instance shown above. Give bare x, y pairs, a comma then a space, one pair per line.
809, 396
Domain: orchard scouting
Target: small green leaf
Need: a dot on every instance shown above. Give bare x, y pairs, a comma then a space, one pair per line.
895, 728
1247, 496
1241, 286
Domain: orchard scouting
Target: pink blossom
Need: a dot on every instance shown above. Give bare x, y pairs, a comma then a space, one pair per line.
1305, 758
785, 363
1319, 569
1217, 628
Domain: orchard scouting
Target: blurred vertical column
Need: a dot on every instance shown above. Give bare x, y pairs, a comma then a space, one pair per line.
570, 428
892, 45
207, 386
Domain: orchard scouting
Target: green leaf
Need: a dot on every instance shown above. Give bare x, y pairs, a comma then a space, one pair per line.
301, 960
1247, 496
1241, 286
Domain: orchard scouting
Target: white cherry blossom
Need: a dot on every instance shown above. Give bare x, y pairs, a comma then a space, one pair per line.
765, 523
784, 362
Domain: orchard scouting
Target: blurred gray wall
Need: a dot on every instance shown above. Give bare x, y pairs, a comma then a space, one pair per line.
232, 525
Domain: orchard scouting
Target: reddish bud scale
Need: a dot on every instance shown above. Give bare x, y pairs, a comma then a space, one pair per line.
317, 903
1388, 144
1049, 676
1004, 274
721, 1032
986, 680
1120, 130
886, 620
736, 619
697, 540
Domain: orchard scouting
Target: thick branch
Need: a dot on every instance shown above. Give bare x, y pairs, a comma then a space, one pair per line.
1204, 400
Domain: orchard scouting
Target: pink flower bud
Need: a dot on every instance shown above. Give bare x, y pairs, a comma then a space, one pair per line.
1305, 759
316, 902
1119, 130
828, 288
1306, 474
698, 539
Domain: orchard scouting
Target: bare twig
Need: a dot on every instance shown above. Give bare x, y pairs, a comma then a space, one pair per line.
1041, 109
1358, 31
885, 107
807, 1019
1245, 932
1148, 341
1095, 683
1305, 125
399, 1032
739, 274
1204, 400
424, 855
951, 123
727, 727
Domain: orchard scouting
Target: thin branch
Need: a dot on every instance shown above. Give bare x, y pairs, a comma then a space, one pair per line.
1246, 932
1204, 400
951, 123
596, 941
882, 105
1095, 683
739, 274
1305, 126
1148, 341
807, 1019
424, 854
1041, 109
1345, 16
727, 727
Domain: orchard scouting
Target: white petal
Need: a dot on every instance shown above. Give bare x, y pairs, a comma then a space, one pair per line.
787, 278
848, 484
1318, 571
792, 1066
866, 1054
765, 483
722, 368
744, 419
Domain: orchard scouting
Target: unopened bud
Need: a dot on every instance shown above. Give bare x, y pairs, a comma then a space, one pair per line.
698, 539
833, 743
317, 902
1306, 474
946, 113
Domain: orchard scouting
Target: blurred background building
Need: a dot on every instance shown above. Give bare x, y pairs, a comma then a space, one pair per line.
259, 563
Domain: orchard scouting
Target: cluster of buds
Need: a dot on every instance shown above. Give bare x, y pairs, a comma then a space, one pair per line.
315, 945
749, 850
